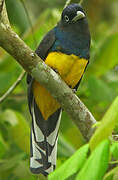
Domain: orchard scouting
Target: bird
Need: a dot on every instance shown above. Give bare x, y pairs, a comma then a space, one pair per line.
66, 49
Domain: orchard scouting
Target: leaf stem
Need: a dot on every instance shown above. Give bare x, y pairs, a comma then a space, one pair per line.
10, 90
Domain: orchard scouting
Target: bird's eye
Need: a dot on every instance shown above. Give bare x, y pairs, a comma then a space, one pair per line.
66, 18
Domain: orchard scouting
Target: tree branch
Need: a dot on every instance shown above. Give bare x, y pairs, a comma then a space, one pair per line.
10, 90
3, 13
80, 2
33, 64
1, 5
67, 3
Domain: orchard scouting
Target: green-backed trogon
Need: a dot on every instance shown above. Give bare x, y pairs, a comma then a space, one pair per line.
65, 49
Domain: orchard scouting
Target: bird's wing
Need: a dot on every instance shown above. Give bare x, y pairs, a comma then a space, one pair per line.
42, 52
46, 44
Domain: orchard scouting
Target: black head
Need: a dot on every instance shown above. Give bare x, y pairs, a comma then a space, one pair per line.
72, 14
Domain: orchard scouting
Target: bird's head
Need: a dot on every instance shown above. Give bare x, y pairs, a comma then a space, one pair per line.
72, 14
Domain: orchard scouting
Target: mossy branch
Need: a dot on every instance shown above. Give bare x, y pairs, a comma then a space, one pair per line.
33, 64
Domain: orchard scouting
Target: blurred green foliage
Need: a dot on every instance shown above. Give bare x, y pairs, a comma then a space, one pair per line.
97, 90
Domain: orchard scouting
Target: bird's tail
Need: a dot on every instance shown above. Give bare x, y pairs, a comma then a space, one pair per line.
44, 135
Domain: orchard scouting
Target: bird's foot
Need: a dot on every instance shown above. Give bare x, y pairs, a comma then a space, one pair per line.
56, 70
74, 90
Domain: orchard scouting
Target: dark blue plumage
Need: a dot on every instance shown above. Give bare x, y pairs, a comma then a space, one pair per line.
71, 43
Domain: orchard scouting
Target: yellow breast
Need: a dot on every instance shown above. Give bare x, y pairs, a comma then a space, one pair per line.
70, 68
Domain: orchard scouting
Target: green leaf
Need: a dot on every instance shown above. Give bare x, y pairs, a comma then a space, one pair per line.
22, 170
21, 133
19, 17
75, 138
11, 162
107, 125
96, 165
19, 129
106, 57
71, 166
114, 150
110, 174
100, 91
65, 149
3, 146
42, 177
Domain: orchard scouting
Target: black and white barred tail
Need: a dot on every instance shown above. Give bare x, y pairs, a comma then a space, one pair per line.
44, 136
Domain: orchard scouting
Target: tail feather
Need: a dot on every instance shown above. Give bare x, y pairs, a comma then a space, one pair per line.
44, 135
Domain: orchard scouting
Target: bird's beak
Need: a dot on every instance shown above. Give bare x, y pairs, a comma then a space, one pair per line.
79, 15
